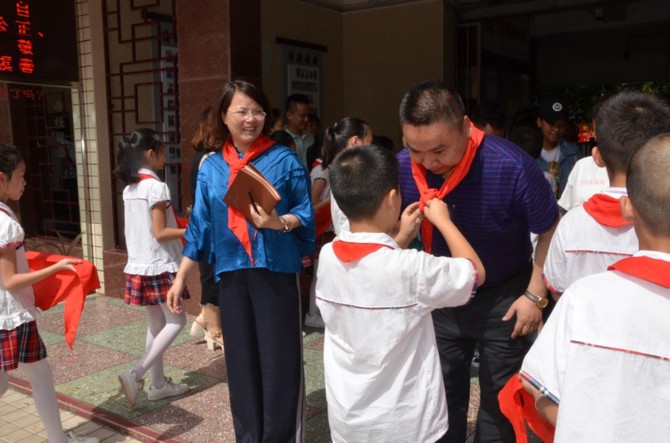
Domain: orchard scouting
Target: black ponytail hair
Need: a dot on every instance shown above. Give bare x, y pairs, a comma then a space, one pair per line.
337, 136
131, 153
10, 158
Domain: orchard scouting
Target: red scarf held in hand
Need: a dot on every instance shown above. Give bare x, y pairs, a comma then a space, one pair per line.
605, 210
519, 407
351, 251
236, 220
649, 269
456, 176
67, 286
70, 287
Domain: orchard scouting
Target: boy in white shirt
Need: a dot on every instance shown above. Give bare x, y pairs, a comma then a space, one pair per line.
600, 368
594, 235
382, 369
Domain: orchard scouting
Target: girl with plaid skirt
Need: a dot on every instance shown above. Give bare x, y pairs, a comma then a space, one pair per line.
154, 252
20, 343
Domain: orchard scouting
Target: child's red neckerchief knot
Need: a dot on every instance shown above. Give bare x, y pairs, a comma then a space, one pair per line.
426, 196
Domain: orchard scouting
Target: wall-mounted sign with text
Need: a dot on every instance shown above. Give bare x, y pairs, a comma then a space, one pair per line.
38, 41
305, 80
302, 71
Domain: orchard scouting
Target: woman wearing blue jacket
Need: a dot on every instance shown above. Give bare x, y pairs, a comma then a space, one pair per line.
256, 263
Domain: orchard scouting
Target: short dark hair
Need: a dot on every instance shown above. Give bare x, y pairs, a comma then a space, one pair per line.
360, 177
431, 101
626, 121
283, 138
294, 99
383, 141
648, 185
251, 91
488, 113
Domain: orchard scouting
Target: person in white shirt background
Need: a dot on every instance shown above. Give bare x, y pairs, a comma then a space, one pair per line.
297, 116
558, 155
585, 179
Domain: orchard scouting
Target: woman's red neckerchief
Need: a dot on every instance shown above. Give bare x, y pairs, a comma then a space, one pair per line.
236, 220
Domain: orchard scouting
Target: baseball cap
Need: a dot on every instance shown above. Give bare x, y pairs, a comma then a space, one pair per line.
552, 110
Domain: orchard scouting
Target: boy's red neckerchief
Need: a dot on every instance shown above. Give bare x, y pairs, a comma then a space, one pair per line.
646, 268
606, 210
350, 251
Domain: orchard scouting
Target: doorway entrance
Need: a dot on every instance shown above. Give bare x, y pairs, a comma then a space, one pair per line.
42, 129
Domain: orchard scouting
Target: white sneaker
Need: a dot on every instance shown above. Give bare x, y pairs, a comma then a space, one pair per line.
314, 321
71, 437
169, 389
131, 387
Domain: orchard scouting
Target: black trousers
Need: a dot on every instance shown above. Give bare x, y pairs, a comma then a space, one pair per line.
210, 289
262, 330
458, 331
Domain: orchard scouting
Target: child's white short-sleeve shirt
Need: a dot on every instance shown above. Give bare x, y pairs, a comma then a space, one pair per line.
340, 221
18, 306
604, 355
146, 255
318, 173
581, 246
382, 368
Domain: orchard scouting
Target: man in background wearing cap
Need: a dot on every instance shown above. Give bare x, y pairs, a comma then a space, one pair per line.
558, 155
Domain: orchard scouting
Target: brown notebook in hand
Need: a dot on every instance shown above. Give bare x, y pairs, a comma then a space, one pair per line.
251, 187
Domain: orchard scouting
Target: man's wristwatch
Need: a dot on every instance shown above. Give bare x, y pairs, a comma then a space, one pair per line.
540, 302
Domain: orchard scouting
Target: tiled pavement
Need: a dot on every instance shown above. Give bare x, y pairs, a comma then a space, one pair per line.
109, 340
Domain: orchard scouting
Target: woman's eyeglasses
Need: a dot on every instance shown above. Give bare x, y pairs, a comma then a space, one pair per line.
243, 114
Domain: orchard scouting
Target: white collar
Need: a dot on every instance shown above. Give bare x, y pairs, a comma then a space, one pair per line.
368, 237
149, 172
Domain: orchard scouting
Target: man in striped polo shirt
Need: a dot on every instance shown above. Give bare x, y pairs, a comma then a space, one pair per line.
496, 195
